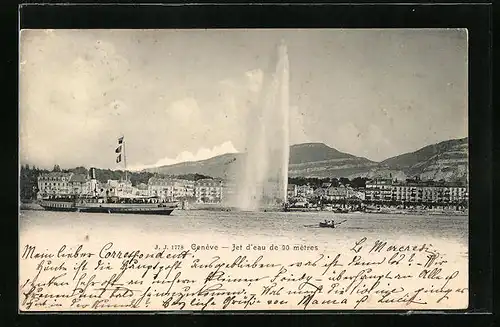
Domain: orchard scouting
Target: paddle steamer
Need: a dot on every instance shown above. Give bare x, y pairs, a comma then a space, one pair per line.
110, 204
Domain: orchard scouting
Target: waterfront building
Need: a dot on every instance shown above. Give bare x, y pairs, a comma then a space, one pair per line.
378, 190
54, 183
326, 185
119, 187
208, 190
79, 184
336, 193
141, 190
359, 194
182, 189
426, 193
63, 184
291, 191
320, 192
415, 192
162, 187
171, 188
305, 191
342, 192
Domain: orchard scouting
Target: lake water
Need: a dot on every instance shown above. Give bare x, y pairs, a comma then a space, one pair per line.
251, 234
291, 227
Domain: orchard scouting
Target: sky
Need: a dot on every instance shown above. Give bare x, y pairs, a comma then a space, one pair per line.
181, 95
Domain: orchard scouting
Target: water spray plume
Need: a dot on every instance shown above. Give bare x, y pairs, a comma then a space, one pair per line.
264, 178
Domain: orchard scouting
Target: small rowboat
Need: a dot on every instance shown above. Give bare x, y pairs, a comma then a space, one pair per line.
330, 225
326, 225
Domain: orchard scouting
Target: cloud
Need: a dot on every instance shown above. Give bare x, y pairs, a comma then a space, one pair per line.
185, 156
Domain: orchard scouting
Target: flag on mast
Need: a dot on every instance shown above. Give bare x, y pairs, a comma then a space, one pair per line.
119, 149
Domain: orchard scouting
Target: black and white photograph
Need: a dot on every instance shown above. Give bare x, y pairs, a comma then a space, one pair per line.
243, 169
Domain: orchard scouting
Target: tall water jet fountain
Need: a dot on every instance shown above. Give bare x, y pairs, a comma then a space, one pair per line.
264, 179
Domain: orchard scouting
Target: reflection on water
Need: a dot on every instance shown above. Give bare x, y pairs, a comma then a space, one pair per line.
292, 227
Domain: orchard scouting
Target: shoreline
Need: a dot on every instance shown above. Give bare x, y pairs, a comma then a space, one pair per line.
30, 206
422, 213
416, 212
36, 207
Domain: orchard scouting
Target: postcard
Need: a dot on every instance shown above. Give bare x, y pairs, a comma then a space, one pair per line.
243, 169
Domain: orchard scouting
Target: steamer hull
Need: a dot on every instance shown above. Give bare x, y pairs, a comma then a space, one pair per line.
157, 209
58, 205
120, 208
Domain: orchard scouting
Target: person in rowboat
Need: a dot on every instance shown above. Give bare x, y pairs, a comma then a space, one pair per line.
330, 223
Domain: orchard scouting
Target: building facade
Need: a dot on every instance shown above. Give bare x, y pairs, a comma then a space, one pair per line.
119, 187
170, 188
320, 192
414, 192
208, 191
379, 190
80, 184
183, 189
63, 184
340, 193
291, 191
141, 190
54, 183
305, 191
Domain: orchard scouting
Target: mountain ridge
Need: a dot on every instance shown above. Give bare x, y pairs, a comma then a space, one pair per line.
406, 159
443, 160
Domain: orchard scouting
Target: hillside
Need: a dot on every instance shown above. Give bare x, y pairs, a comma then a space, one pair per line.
308, 159
320, 160
446, 160
222, 166
314, 152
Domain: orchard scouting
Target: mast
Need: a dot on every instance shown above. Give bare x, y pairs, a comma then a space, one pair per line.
121, 151
125, 159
